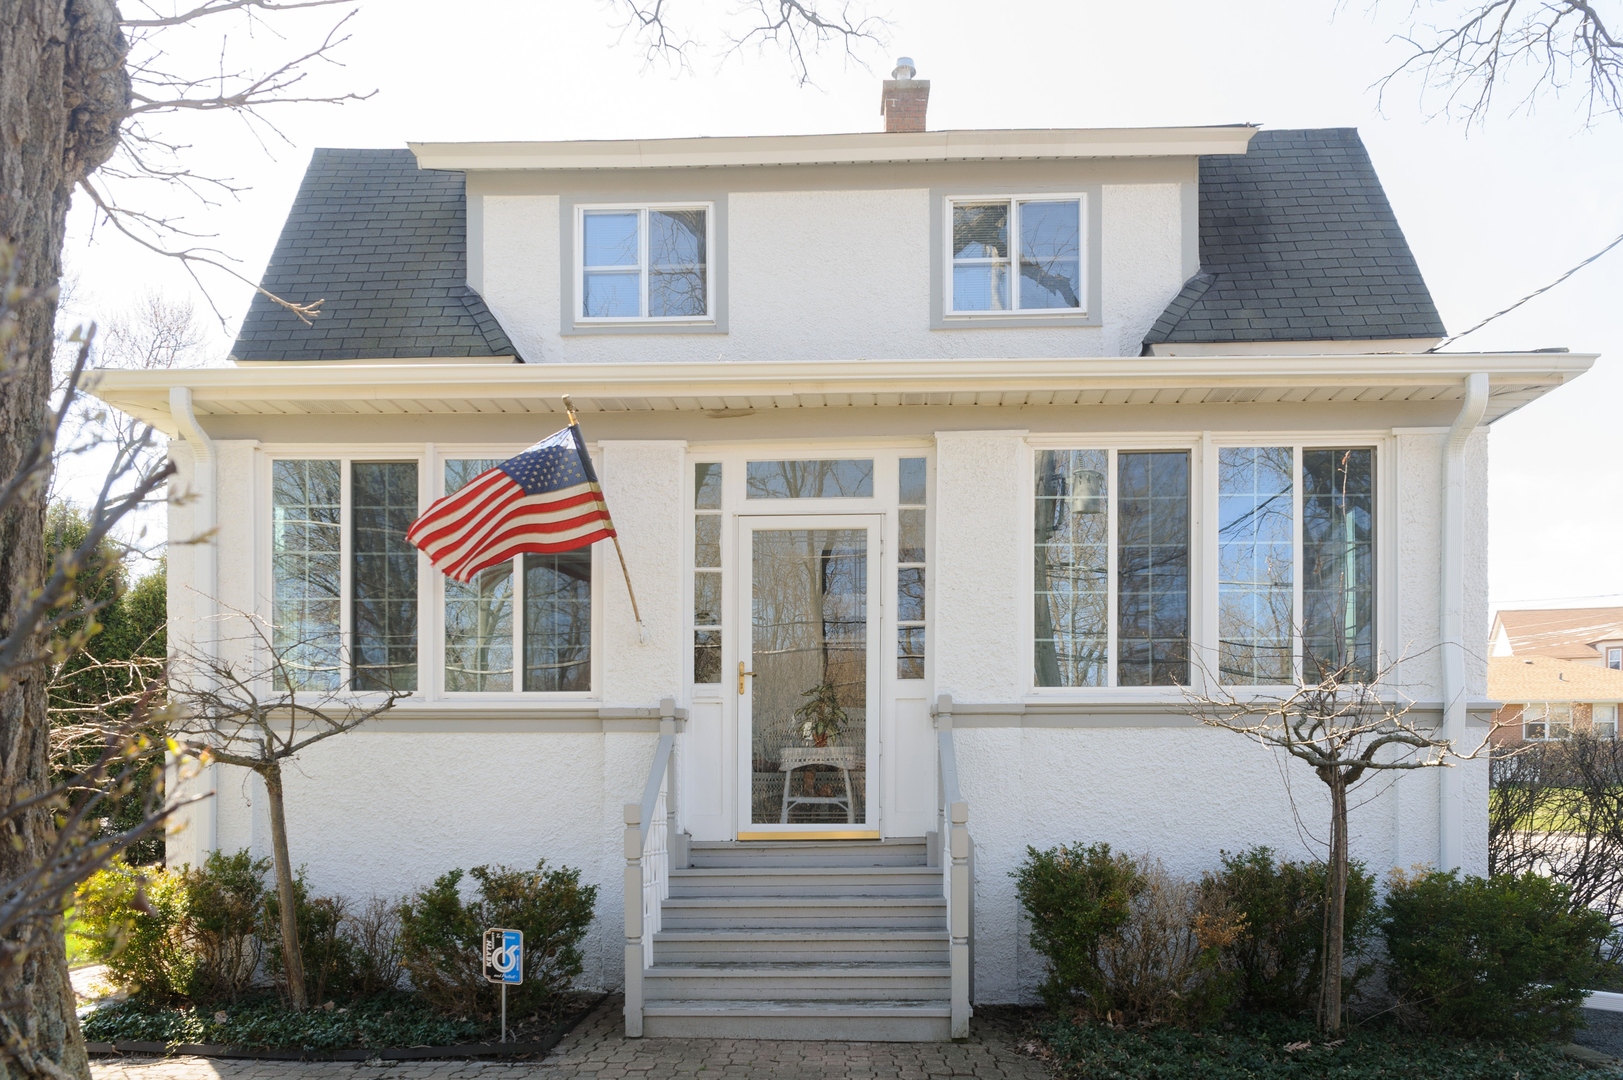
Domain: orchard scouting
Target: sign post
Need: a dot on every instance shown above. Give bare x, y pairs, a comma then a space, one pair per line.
504, 963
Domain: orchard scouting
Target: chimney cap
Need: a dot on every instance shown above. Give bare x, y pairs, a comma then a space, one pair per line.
904, 68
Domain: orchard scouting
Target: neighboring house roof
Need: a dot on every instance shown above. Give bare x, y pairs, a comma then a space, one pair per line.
384, 245
1518, 680
1298, 243
1560, 632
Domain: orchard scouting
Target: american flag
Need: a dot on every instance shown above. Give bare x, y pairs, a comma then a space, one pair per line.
545, 499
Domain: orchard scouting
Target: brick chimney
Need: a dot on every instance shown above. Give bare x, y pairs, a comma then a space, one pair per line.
904, 98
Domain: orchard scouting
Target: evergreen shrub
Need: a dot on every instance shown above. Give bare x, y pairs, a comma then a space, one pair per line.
1278, 954
1076, 896
1501, 957
441, 935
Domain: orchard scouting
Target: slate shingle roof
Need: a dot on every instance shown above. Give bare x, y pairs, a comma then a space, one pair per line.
1298, 243
385, 244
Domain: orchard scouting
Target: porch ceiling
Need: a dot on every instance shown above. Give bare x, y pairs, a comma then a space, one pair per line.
408, 386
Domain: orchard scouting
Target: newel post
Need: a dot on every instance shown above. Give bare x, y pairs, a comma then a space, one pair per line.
958, 906
634, 928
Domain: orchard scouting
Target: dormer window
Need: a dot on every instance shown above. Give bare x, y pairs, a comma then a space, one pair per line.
1017, 255
643, 263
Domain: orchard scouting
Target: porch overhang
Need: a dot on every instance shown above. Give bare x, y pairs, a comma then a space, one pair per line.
399, 387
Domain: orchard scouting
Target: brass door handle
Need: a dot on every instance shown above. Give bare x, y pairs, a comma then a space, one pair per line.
741, 674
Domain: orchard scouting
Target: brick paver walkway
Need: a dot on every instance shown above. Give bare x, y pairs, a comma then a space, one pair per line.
597, 1050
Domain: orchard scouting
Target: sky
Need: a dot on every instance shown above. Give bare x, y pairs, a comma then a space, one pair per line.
1492, 211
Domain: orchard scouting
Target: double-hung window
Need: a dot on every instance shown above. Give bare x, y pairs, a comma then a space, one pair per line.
1603, 720
1546, 720
1112, 568
313, 567
1295, 564
1017, 254
1614, 658
644, 262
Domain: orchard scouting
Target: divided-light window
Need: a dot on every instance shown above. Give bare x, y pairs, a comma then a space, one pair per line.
644, 263
1014, 254
345, 598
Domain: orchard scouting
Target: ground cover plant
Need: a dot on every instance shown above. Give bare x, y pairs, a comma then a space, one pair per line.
265, 1023
1289, 1050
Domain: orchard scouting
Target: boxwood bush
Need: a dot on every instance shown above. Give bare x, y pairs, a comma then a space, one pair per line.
1076, 896
1278, 954
441, 936
1506, 957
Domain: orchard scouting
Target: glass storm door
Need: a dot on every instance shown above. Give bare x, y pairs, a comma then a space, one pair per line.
806, 681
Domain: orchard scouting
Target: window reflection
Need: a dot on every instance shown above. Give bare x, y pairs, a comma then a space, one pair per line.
1338, 563
833, 479
1255, 553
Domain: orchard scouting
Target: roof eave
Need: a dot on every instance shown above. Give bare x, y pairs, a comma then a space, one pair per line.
856, 148
349, 389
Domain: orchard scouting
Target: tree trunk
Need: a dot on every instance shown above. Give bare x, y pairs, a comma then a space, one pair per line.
1330, 1019
63, 93
292, 957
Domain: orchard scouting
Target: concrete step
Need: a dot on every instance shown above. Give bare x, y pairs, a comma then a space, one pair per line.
851, 1020
809, 912
905, 851
799, 982
800, 946
807, 881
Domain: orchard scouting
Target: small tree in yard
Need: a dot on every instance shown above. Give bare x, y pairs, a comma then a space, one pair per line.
257, 715
1343, 729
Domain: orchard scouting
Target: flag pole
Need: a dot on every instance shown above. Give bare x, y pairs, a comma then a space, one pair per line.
642, 627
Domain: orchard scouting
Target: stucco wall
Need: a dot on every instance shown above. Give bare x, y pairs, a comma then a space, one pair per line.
832, 274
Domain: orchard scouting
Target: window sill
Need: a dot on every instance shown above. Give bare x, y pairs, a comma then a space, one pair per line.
980, 320
595, 327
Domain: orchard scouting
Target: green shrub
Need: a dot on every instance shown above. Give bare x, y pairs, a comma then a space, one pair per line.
1076, 896
1504, 957
186, 935
330, 968
441, 936
1278, 954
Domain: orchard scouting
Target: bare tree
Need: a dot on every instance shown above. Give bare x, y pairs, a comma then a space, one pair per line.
1478, 49
51, 835
69, 85
1344, 728
800, 28
258, 715
1557, 810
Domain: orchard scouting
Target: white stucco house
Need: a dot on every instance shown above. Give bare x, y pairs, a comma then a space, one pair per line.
942, 462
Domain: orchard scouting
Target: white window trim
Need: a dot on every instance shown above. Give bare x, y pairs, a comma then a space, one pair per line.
1203, 551
1543, 717
642, 209
949, 313
430, 582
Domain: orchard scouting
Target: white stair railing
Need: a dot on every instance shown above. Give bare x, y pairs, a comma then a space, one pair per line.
650, 838
958, 871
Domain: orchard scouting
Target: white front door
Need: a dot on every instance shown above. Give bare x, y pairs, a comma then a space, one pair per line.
807, 676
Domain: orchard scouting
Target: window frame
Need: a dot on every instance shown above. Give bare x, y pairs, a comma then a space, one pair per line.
1614, 653
577, 260
430, 460
1612, 705
942, 315
1203, 560
1544, 718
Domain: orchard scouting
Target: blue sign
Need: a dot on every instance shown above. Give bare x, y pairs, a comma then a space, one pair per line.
504, 956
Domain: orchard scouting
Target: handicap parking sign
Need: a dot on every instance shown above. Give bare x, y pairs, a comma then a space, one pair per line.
504, 956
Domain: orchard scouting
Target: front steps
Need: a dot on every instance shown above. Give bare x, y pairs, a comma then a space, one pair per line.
802, 940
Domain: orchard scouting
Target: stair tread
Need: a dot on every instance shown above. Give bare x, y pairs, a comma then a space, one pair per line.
879, 899
805, 871
819, 934
798, 1007
809, 968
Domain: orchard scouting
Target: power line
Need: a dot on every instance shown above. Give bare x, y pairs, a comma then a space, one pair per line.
1529, 296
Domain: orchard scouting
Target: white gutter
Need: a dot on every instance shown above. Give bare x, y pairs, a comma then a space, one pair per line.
1451, 822
205, 574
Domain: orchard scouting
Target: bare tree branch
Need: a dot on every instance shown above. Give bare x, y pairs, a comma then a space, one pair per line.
800, 28
1560, 45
